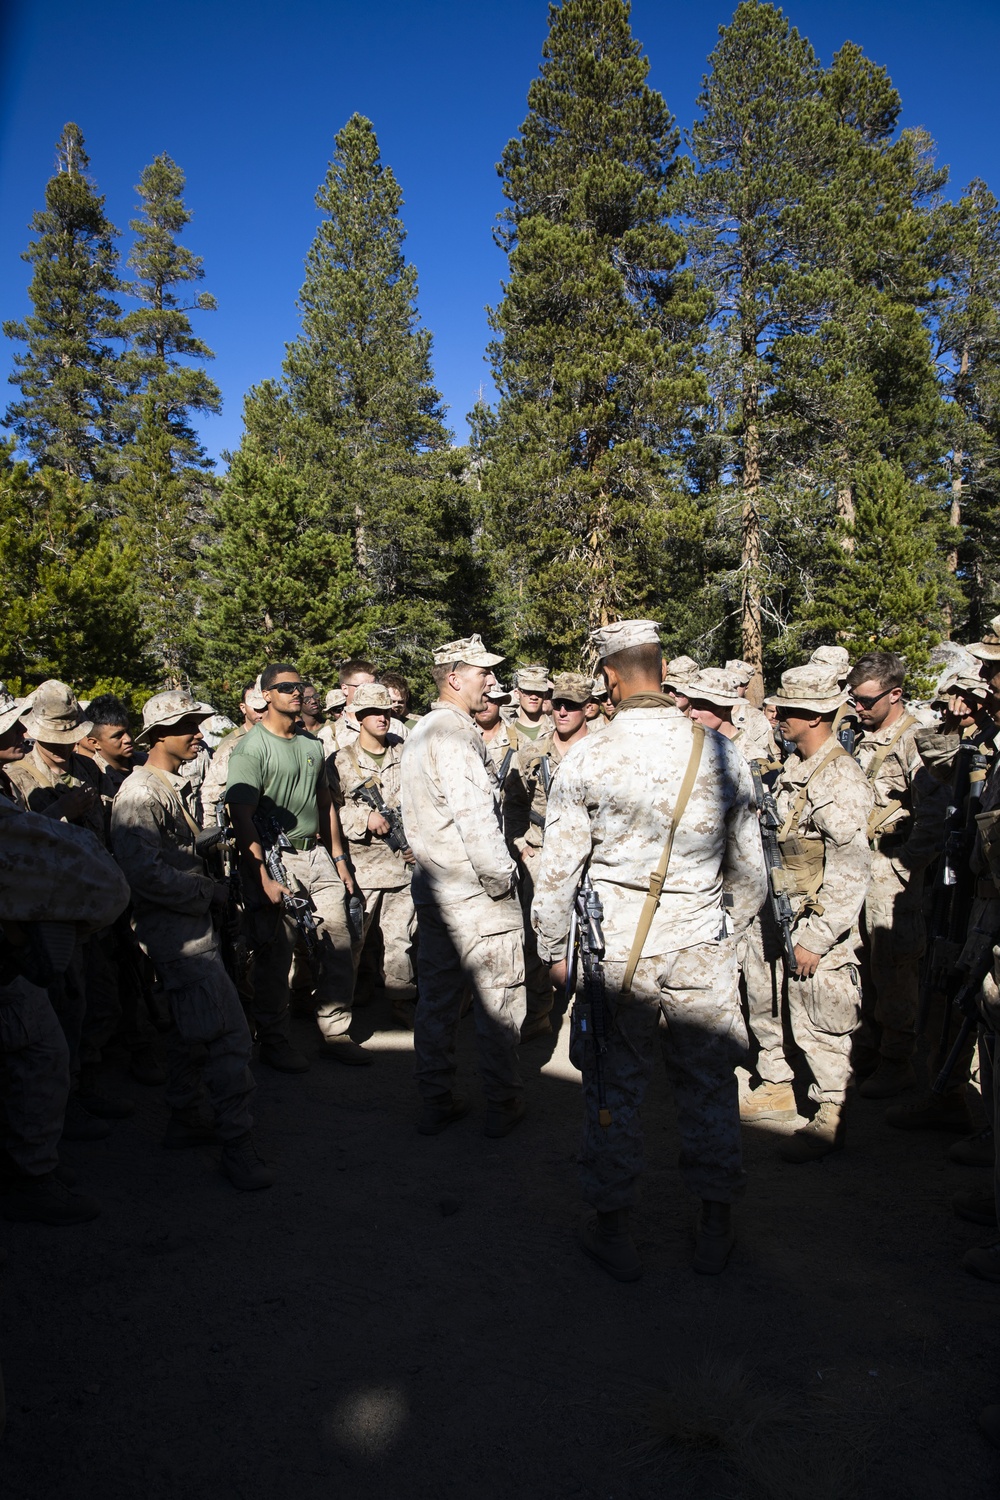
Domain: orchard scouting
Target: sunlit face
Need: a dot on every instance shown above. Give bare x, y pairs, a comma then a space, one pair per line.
488, 717
114, 743
398, 701
568, 716
707, 714
874, 702
182, 739
310, 703
351, 684
12, 743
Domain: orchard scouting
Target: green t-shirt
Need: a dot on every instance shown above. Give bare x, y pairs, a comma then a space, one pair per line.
530, 731
283, 776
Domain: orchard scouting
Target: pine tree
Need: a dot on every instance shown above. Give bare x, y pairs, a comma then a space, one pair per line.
162, 488
68, 375
68, 601
594, 356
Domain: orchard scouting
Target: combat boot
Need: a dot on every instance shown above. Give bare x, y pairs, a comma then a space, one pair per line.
440, 1112
769, 1101
189, 1127
501, 1117
283, 1057
78, 1125
983, 1261
978, 1208
605, 1238
975, 1150
46, 1200
715, 1237
341, 1049
243, 1166
823, 1135
894, 1075
934, 1112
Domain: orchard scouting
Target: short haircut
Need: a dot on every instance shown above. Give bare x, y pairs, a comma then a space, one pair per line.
275, 671
395, 680
637, 661
248, 687
883, 667
352, 668
441, 672
107, 712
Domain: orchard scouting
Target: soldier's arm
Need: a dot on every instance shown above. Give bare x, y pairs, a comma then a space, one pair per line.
561, 863
926, 834
744, 873
517, 801
138, 842
355, 815
332, 834
840, 813
469, 793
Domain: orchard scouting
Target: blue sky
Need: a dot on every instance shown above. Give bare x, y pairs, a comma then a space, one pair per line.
247, 99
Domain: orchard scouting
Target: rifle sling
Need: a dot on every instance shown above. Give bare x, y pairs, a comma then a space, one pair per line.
658, 876
176, 798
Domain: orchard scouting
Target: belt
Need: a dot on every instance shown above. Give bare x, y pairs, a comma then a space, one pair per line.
303, 845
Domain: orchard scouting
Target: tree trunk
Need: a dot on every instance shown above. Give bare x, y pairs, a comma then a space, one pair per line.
750, 542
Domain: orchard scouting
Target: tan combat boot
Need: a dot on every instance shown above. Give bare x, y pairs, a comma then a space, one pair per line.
823, 1134
769, 1101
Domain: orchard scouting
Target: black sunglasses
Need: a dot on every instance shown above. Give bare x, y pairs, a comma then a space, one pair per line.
864, 702
288, 688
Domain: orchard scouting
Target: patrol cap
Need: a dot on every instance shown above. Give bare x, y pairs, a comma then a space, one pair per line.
533, 678
599, 689
623, 635
714, 685
969, 684
836, 657
575, 687
813, 687
370, 698
470, 652
678, 672
255, 698
988, 649
170, 708
335, 698
55, 716
741, 671
11, 709
498, 693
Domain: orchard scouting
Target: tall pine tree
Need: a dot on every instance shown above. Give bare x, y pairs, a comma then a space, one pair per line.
594, 356
69, 372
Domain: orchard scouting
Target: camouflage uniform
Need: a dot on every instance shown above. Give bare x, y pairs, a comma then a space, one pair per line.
209, 1044
213, 788
907, 834
42, 787
468, 916
754, 737
382, 873
610, 810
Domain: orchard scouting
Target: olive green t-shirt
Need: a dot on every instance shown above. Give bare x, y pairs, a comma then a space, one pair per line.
530, 731
283, 776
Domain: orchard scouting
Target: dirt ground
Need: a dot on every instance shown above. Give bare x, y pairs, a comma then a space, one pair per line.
410, 1317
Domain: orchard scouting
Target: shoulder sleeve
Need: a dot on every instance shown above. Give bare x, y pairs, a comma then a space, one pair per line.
245, 775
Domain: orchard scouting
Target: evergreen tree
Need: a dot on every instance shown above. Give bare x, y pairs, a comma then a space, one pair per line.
162, 487
68, 604
68, 375
594, 361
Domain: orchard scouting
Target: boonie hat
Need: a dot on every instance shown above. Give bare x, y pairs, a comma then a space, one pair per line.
470, 651
836, 657
11, 709
741, 671
622, 635
573, 686
679, 672
255, 698
598, 689
170, 708
371, 697
498, 693
713, 685
988, 649
335, 698
533, 678
814, 687
55, 716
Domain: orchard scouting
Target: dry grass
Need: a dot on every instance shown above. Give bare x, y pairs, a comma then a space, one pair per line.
718, 1430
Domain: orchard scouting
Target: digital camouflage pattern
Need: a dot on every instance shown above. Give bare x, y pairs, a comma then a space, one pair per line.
55, 872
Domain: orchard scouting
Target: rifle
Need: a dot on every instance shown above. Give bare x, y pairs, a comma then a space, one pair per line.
777, 879
217, 845
964, 1001
847, 737
275, 842
370, 793
586, 937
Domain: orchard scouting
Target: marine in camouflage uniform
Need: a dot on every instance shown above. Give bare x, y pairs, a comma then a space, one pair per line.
213, 790
532, 685
616, 798
824, 803
153, 833
756, 737
464, 890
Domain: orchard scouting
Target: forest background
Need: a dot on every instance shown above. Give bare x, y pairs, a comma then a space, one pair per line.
745, 379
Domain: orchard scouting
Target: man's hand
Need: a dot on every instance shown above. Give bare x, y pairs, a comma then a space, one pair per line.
528, 852
807, 962
558, 974
220, 893
347, 876
378, 824
273, 889
76, 802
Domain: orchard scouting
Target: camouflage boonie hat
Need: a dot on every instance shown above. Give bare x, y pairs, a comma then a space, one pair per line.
498, 693
255, 698
11, 709
573, 686
55, 716
679, 672
622, 635
988, 649
170, 708
533, 678
335, 698
470, 651
836, 657
371, 697
813, 687
742, 671
598, 690
970, 685
713, 685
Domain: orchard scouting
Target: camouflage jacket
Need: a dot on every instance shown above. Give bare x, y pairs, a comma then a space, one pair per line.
42, 788
213, 788
910, 803
526, 795
379, 868
54, 872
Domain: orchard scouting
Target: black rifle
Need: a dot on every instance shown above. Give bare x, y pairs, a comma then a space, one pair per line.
954, 883
964, 1002
586, 936
371, 793
847, 737
275, 842
217, 848
777, 877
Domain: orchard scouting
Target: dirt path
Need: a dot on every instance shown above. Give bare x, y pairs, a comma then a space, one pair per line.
409, 1317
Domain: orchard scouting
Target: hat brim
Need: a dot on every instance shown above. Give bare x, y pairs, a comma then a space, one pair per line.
10, 716
38, 731
199, 711
717, 700
984, 651
808, 705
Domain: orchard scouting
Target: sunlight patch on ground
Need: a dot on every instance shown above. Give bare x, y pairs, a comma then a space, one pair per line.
370, 1421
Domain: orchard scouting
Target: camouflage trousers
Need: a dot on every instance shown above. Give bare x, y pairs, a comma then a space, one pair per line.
453, 954
759, 954
35, 1058
691, 1000
538, 987
390, 915
272, 936
208, 1045
892, 942
825, 1013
